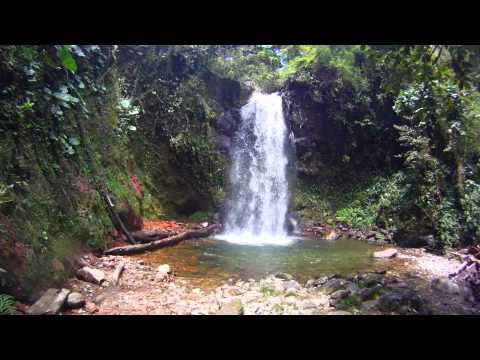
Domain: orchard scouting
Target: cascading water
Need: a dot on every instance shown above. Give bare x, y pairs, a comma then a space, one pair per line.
257, 210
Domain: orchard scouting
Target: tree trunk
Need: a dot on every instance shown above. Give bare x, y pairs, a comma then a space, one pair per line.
157, 244
149, 236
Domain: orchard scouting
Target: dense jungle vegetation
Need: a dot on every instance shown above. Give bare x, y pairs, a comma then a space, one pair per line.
385, 136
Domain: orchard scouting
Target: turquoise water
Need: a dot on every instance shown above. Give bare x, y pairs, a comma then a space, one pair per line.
210, 262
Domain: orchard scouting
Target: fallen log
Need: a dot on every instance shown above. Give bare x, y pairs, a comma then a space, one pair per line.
117, 273
157, 244
149, 236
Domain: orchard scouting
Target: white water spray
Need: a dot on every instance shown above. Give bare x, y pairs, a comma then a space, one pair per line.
258, 209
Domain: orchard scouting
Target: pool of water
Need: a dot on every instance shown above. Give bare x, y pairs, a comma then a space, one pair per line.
208, 263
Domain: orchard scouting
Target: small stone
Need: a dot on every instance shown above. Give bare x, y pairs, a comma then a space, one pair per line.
164, 269
74, 300
340, 294
90, 307
385, 254
284, 276
232, 308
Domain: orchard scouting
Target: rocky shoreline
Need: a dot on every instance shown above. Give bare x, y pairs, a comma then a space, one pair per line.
415, 283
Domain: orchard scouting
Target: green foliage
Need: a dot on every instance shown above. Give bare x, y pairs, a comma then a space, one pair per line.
471, 208
366, 204
254, 64
201, 216
67, 59
7, 305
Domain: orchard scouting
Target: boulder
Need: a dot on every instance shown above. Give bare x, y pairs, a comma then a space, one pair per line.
234, 307
91, 275
399, 298
369, 293
385, 254
74, 300
340, 294
50, 303
333, 285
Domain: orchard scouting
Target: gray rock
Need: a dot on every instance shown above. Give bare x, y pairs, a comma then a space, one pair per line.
369, 293
291, 285
445, 285
395, 300
284, 276
91, 275
74, 300
312, 283
368, 306
371, 279
340, 294
333, 285
50, 303
234, 307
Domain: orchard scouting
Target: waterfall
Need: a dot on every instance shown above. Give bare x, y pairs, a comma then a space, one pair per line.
258, 203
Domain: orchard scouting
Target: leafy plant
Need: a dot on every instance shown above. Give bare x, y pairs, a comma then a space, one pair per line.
7, 305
